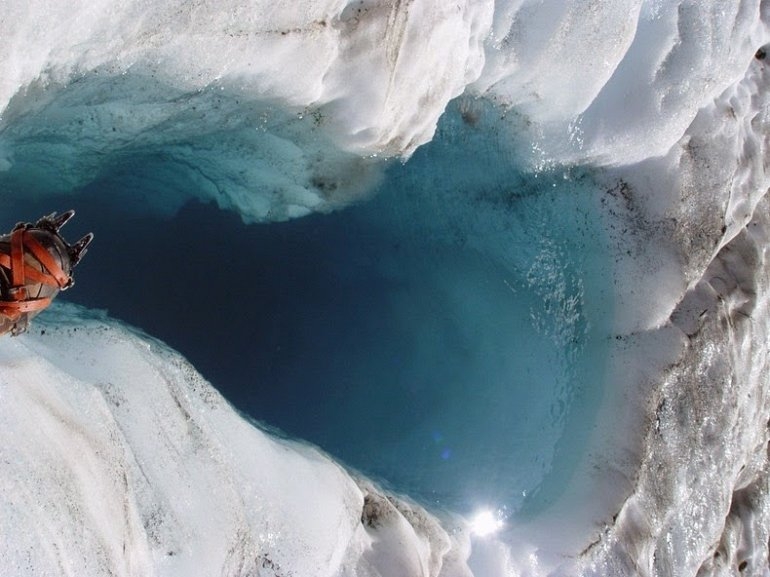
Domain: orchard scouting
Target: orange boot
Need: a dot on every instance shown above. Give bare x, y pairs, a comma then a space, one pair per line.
35, 264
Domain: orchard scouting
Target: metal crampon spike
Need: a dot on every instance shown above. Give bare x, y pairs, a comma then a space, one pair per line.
77, 250
53, 222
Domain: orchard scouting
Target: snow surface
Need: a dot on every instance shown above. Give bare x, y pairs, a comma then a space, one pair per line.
293, 107
119, 459
126, 461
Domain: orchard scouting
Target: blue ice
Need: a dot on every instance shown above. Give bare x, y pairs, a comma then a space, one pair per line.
445, 336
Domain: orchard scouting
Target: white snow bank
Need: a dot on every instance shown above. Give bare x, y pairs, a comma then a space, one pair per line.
119, 459
389, 79
277, 111
699, 502
683, 55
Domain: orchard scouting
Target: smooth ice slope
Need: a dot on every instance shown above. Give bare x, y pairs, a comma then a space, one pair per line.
119, 459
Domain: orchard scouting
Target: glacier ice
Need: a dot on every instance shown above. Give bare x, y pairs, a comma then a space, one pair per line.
304, 100
654, 113
142, 468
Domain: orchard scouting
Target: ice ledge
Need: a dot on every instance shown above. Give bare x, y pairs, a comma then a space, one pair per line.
119, 459
699, 500
700, 504
168, 101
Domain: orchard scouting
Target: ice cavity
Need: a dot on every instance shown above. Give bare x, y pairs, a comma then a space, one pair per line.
205, 493
214, 98
690, 368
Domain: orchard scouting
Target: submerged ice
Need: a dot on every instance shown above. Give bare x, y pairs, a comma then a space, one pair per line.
427, 306
550, 314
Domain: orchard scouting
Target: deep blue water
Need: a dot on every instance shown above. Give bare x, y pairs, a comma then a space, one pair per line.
445, 336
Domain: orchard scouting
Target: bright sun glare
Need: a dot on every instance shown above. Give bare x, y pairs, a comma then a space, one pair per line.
485, 523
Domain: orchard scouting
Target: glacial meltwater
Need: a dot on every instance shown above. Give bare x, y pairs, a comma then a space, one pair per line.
445, 336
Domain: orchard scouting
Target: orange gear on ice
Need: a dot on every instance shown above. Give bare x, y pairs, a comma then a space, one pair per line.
35, 264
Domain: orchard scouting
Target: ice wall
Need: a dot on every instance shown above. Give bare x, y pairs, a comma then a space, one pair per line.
119, 459
292, 107
700, 500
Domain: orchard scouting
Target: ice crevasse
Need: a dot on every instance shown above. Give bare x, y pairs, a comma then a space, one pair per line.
120, 459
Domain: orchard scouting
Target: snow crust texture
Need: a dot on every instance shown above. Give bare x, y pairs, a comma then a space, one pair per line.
689, 372
306, 99
119, 459
699, 501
